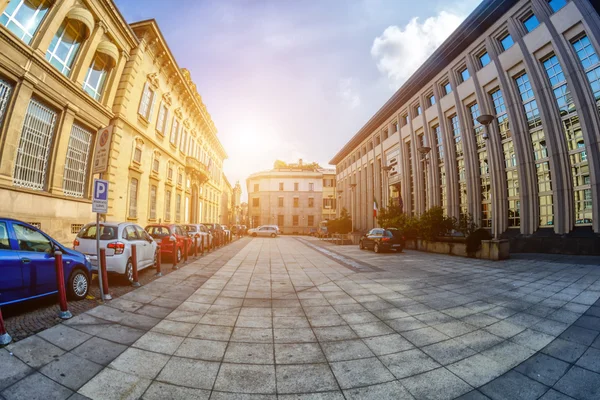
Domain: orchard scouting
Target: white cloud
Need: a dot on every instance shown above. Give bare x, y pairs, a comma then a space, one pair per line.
348, 92
399, 51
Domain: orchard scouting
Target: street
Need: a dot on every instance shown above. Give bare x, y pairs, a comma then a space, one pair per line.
292, 317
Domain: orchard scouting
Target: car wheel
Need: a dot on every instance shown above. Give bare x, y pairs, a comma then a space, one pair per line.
178, 255
361, 245
79, 285
254, 235
129, 271
376, 248
273, 235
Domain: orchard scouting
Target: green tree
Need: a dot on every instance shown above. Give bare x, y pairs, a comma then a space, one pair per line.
342, 225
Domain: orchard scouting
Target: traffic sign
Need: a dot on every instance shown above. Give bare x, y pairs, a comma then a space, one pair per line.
100, 196
103, 137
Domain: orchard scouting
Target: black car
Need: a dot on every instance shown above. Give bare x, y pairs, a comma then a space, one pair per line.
380, 239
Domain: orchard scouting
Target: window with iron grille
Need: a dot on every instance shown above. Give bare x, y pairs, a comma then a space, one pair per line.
137, 155
5, 91
133, 197
152, 202
76, 165
34, 147
75, 228
168, 205
177, 207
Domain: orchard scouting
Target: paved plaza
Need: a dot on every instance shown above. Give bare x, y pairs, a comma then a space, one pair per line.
294, 318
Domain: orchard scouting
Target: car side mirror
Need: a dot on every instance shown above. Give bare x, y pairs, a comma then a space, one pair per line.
172, 238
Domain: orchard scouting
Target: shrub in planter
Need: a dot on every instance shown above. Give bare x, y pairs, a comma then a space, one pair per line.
342, 225
474, 240
433, 223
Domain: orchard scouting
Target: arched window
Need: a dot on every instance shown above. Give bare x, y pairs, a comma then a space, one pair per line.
65, 44
96, 76
23, 17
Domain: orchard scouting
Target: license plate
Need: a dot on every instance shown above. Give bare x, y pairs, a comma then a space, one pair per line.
395, 245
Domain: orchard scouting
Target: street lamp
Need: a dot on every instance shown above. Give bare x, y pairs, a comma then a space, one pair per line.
424, 150
486, 120
352, 187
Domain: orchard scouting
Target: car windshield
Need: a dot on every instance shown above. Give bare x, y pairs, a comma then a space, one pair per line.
106, 232
158, 231
395, 233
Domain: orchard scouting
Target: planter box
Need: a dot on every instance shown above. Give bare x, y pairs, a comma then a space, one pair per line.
490, 249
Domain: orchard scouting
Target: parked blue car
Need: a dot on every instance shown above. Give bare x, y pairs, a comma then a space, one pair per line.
27, 264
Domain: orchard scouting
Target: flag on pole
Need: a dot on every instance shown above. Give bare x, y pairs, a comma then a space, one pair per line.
375, 208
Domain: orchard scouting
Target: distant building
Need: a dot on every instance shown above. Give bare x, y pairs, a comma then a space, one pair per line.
226, 215
237, 196
291, 196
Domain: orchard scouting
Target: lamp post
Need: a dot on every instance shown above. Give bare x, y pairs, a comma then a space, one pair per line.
424, 150
352, 187
486, 120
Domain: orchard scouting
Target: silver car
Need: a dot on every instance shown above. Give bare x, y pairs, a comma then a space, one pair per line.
269, 231
117, 239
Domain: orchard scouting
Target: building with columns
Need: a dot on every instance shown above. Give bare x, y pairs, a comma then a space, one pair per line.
69, 68
60, 68
530, 69
290, 196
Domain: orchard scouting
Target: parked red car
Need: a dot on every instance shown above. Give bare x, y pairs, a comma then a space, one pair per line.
171, 238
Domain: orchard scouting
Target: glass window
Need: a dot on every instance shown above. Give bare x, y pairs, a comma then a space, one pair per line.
32, 240
129, 233
507, 42
137, 155
76, 165
163, 117
64, 46
174, 131
256, 187
255, 202
447, 88
280, 202
556, 5
178, 207
311, 220
34, 146
311, 186
484, 59
296, 202
152, 202
294, 220
296, 186
431, 100
530, 23
280, 185
464, 74
4, 241
311, 202
133, 196
23, 17
146, 102
418, 110
168, 205
96, 76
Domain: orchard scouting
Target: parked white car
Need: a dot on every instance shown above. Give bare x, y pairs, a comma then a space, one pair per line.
117, 239
266, 230
201, 232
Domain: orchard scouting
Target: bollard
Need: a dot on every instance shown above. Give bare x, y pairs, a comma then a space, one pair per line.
64, 312
135, 282
4, 336
195, 246
107, 295
185, 249
174, 255
202, 244
158, 261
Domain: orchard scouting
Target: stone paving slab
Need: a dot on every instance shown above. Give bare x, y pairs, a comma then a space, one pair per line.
278, 318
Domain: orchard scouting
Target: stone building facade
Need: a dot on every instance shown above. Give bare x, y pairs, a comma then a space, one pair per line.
60, 67
290, 197
531, 69
71, 67
166, 160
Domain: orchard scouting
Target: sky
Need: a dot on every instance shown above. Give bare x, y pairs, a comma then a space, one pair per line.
289, 79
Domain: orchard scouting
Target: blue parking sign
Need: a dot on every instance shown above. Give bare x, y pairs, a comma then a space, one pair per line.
100, 196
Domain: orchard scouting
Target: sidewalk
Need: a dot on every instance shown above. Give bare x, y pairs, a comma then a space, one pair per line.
278, 319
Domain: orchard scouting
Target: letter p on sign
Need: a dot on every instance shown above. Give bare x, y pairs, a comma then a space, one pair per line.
100, 197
